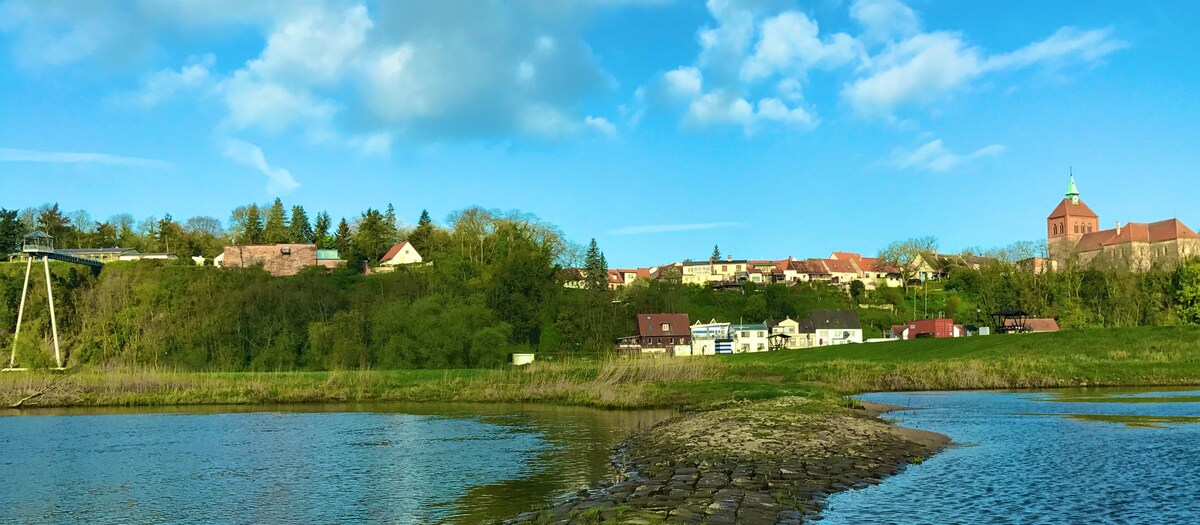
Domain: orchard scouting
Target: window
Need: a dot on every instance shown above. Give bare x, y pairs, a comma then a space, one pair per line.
745, 334
1076, 228
666, 327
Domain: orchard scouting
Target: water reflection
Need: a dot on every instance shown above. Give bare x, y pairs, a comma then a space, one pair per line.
1027, 458
393, 463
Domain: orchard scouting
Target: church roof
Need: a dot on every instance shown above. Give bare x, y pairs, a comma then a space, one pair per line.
1168, 230
1074, 209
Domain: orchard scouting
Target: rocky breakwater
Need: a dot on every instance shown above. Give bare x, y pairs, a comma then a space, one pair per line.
752, 463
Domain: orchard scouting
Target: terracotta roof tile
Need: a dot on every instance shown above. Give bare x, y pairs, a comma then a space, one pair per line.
1066, 207
651, 325
393, 251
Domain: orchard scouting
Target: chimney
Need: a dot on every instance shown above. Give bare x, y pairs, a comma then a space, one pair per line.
729, 258
1118, 227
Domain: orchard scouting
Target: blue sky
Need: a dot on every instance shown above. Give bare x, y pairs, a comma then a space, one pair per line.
659, 127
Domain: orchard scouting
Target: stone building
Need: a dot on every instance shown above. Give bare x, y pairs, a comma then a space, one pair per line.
1073, 233
276, 259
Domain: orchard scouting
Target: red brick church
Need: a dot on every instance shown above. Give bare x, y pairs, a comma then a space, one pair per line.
1073, 232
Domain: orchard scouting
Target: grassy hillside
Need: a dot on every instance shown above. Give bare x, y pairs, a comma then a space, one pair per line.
1096, 357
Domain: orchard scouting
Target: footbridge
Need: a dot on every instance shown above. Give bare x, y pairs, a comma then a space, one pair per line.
39, 245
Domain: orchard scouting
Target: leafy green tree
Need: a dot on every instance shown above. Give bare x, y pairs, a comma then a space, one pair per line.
53, 223
321, 231
1187, 290
11, 233
857, 289
276, 228
372, 237
300, 230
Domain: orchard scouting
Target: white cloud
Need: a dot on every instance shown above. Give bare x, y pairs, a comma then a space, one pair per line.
883, 20
684, 82
1066, 44
670, 228
920, 69
279, 180
163, 85
722, 107
72, 157
934, 156
932, 66
601, 125
790, 44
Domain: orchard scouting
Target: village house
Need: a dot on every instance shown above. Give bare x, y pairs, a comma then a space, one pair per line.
401, 253
749, 338
790, 333
836, 327
664, 334
1030, 325
711, 338
571, 278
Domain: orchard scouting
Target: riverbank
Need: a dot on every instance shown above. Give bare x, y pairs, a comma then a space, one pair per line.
1149, 356
752, 463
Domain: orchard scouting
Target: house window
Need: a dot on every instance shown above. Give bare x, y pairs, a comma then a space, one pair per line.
745, 334
666, 327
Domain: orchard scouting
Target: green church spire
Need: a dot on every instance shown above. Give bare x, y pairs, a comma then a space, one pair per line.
1072, 191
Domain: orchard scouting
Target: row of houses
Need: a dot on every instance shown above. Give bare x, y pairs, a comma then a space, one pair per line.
840, 268
675, 335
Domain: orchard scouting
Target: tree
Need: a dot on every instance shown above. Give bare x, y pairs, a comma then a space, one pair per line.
204, 225
169, 231
247, 225
343, 238
1187, 290
420, 235
321, 231
716, 252
372, 238
595, 268
300, 230
52, 222
276, 229
390, 226
11, 233
903, 255
857, 288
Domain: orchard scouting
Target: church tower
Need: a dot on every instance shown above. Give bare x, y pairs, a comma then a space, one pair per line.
1069, 222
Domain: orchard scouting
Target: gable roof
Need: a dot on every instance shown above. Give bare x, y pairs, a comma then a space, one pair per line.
845, 256
837, 266
1066, 207
836, 319
394, 251
650, 325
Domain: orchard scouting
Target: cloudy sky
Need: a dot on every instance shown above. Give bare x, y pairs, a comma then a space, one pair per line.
659, 127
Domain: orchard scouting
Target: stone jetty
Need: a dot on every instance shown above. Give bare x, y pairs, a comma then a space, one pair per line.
750, 463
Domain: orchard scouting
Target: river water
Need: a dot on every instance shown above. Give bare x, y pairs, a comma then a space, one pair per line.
395, 463
1066, 457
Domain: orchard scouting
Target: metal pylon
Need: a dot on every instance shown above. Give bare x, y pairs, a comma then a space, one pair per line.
12, 359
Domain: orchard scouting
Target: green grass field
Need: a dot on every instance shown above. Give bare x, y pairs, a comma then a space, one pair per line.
1167, 356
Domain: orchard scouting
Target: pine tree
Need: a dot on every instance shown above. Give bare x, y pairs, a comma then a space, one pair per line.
341, 239
321, 231
716, 252
253, 233
300, 230
390, 226
421, 234
276, 230
595, 268
372, 239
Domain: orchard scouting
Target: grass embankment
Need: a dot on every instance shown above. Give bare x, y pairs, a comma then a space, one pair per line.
1099, 357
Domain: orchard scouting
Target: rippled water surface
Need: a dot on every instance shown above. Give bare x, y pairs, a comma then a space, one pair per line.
342, 464
1039, 458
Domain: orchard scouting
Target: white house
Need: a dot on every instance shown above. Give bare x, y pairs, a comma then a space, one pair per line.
836, 327
749, 338
401, 253
711, 338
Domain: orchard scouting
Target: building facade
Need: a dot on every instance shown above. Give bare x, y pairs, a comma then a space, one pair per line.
1073, 235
